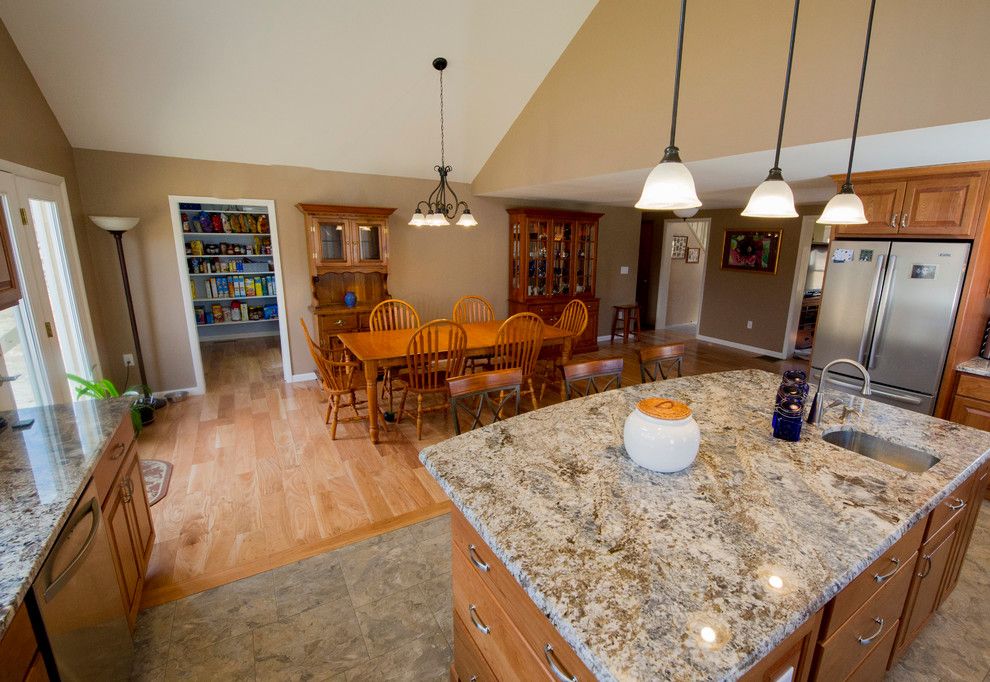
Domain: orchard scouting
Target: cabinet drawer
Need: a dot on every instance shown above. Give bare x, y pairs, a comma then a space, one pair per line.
949, 508
112, 458
341, 322
536, 629
874, 665
863, 632
489, 627
973, 387
469, 664
869, 582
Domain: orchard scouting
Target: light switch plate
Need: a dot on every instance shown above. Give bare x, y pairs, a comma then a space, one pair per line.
624, 270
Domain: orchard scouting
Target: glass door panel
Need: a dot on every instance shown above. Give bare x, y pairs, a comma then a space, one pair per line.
18, 358
539, 237
516, 257
561, 254
584, 275
370, 242
332, 241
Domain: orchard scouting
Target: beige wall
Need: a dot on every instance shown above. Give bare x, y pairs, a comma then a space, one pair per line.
429, 267
731, 297
605, 105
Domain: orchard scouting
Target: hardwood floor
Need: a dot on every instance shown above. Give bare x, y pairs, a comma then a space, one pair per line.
257, 482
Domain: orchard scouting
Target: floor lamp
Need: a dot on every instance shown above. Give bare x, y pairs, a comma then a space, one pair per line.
117, 227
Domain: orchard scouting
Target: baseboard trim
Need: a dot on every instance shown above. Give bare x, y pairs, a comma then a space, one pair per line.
742, 346
192, 390
305, 376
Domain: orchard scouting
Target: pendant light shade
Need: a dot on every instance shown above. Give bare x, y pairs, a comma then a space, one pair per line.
466, 219
845, 208
670, 186
686, 213
774, 198
418, 219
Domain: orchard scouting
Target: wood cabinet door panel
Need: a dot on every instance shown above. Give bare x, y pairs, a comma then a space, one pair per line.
975, 413
974, 387
122, 544
141, 513
942, 205
882, 205
923, 600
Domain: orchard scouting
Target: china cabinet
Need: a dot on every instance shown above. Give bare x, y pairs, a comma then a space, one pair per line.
553, 258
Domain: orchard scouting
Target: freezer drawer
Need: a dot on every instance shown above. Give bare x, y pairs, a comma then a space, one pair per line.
881, 393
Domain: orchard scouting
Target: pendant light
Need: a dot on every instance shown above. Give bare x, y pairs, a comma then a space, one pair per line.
670, 186
440, 209
774, 198
845, 208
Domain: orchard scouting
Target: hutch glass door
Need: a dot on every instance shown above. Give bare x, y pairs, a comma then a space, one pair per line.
584, 276
332, 241
369, 242
539, 236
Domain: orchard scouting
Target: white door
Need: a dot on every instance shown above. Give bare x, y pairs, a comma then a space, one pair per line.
54, 332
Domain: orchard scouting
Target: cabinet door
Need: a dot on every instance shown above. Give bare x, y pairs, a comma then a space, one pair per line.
368, 241
538, 250
118, 517
975, 413
882, 205
10, 292
144, 533
561, 259
585, 258
942, 205
923, 598
328, 242
516, 291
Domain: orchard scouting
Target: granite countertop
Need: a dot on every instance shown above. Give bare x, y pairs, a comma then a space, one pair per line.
629, 565
43, 471
977, 366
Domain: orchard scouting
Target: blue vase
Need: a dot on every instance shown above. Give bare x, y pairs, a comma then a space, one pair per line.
350, 299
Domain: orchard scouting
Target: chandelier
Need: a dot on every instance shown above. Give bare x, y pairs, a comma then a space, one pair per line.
442, 205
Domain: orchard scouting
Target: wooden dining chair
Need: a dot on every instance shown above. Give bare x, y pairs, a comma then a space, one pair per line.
652, 361
435, 352
517, 345
391, 314
340, 378
592, 376
573, 319
472, 394
469, 309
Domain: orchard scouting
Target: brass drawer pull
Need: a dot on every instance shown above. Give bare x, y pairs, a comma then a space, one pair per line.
555, 665
339, 323
478, 623
958, 505
880, 578
476, 560
869, 640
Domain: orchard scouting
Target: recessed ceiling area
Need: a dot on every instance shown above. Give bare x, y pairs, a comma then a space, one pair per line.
330, 84
728, 181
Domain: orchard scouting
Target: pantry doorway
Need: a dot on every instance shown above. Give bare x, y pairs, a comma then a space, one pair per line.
231, 280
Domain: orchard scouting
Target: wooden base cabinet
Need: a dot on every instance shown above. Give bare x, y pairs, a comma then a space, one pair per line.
20, 658
550, 312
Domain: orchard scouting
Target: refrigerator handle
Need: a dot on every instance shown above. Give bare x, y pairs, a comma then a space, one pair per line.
872, 313
882, 314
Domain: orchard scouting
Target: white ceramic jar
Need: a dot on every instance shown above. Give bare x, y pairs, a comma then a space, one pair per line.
661, 435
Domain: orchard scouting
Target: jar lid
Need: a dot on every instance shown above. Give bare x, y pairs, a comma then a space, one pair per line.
663, 408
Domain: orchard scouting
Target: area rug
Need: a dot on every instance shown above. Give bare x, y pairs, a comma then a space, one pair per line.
156, 475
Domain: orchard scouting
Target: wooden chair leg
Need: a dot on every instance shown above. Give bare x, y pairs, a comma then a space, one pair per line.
354, 404
326, 418
333, 417
402, 404
419, 416
532, 393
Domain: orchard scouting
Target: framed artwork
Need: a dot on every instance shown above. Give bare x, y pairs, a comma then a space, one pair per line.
694, 255
679, 247
751, 250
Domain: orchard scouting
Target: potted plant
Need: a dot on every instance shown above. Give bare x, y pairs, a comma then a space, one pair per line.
104, 389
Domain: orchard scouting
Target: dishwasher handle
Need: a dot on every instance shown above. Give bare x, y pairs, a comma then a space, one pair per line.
55, 584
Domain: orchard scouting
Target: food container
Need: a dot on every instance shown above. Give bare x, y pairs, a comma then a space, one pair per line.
661, 435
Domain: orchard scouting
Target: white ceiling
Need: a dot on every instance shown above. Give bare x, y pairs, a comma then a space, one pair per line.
728, 181
332, 84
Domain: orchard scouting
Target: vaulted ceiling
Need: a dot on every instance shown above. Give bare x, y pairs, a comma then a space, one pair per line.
332, 84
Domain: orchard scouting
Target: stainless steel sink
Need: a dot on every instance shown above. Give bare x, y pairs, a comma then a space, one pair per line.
868, 445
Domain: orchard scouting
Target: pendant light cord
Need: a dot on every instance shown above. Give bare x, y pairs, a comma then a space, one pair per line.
443, 163
787, 86
859, 96
677, 74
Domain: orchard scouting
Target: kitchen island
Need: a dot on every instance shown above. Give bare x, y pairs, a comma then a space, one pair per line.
703, 573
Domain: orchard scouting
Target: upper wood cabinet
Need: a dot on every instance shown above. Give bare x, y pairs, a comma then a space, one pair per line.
10, 292
937, 201
346, 237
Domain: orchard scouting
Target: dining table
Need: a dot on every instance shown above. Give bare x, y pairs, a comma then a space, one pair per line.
380, 349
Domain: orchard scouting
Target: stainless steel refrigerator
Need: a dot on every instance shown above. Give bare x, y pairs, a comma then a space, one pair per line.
891, 306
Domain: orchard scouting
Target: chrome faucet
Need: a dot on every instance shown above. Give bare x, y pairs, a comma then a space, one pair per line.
818, 404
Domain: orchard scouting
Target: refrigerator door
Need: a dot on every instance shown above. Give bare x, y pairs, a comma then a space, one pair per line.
850, 294
881, 393
916, 313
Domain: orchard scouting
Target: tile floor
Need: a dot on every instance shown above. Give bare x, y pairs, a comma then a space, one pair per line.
381, 610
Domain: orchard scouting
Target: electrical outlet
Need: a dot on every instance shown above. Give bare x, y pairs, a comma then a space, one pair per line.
624, 270
128, 360
749, 324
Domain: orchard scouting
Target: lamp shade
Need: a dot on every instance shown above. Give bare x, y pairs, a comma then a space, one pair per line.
418, 219
467, 220
114, 223
669, 186
773, 198
437, 219
686, 212
845, 208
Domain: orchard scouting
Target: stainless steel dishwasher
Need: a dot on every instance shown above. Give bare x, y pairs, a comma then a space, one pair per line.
80, 602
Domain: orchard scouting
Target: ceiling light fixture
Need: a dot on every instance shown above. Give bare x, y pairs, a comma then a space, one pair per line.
440, 209
670, 186
773, 198
845, 208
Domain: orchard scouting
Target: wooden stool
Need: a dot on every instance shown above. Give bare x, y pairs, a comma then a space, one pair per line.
628, 315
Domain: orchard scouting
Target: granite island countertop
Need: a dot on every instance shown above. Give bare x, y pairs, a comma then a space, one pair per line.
629, 565
43, 471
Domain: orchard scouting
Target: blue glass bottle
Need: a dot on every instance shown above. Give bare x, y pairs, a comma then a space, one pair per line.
789, 416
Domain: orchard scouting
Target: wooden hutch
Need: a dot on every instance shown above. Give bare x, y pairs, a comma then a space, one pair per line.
348, 252
553, 258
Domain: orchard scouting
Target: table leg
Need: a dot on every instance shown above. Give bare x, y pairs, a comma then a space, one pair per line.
371, 376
